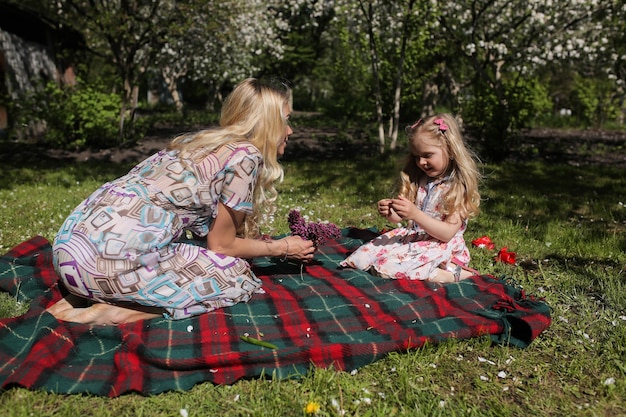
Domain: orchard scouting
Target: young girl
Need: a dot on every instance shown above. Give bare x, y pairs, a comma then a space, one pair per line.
438, 194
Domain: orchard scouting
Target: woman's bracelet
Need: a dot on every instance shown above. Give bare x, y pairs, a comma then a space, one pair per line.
286, 252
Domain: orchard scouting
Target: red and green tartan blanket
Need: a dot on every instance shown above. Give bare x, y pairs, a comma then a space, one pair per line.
317, 316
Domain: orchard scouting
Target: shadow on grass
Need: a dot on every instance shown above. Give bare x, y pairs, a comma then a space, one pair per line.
356, 179
599, 278
535, 192
546, 192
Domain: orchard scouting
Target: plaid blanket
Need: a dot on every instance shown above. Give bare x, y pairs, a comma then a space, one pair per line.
317, 316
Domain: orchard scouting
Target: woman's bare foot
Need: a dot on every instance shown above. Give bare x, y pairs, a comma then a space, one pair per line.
100, 313
68, 302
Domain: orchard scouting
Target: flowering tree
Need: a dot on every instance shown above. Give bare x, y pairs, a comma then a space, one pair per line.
611, 59
217, 42
503, 43
485, 54
481, 56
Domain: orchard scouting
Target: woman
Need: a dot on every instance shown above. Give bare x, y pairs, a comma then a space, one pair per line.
120, 247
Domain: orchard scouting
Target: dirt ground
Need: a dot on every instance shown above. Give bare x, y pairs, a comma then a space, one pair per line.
305, 143
576, 147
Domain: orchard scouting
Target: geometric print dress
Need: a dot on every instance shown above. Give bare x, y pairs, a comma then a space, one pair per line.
409, 252
121, 245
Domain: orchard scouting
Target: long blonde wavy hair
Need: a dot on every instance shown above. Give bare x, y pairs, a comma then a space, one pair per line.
252, 113
463, 197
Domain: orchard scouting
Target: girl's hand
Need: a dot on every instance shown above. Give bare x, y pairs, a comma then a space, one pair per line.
298, 248
406, 209
443, 230
384, 207
386, 211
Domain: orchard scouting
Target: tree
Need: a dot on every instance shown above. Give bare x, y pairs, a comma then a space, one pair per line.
504, 42
126, 33
217, 42
305, 33
612, 58
394, 30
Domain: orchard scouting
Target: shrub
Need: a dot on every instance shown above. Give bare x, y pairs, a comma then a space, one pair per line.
81, 116
70, 117
494, 118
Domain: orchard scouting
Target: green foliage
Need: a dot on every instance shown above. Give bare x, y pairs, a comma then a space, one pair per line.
494, 116
81, 116
162, 117
351, 81
71, 117
593, 100
580, 101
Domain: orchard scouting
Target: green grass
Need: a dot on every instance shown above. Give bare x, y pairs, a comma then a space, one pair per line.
566, 224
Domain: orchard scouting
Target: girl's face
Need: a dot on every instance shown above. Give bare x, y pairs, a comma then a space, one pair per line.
288, 131
429, 157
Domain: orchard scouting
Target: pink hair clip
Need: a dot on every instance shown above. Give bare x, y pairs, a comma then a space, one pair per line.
442, 125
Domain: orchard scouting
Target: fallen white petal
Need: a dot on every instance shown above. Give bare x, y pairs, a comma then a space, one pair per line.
609, 381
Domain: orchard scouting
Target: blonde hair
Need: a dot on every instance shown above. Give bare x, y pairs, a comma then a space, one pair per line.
463, 197
252, 113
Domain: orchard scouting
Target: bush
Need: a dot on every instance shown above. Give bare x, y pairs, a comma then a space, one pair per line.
494, 118
81, 116
71, 117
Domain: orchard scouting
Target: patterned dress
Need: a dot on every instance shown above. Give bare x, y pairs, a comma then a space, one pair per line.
409, 252
121, 245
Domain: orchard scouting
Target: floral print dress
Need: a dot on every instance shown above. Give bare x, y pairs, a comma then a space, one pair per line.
123, 243
409, 252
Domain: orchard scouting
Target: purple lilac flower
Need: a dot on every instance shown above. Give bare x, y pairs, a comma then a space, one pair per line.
317, 232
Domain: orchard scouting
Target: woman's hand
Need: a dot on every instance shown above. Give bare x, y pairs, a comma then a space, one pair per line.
298, 248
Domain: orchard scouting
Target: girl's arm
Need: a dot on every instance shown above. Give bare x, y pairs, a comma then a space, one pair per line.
222, 238
443, 230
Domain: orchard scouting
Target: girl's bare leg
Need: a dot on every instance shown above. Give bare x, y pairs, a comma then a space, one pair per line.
100, 313
445, 276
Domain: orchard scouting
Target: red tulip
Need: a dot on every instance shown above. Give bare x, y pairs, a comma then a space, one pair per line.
484, 242
505, 256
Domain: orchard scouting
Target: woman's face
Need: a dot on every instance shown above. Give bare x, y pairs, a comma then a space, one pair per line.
288, 131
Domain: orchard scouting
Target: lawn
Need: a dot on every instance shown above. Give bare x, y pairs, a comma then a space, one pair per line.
566, 224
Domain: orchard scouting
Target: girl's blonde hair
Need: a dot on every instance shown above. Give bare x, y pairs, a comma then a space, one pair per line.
252, 113
463, 197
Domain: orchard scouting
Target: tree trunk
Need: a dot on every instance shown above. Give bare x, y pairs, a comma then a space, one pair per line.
129, 104
376, 75
399, 74
171, 81
430, 97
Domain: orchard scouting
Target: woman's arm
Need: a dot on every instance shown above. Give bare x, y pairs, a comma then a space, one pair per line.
441, 230
222, 238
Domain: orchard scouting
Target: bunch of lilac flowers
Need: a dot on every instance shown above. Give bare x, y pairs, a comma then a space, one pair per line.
318, 232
